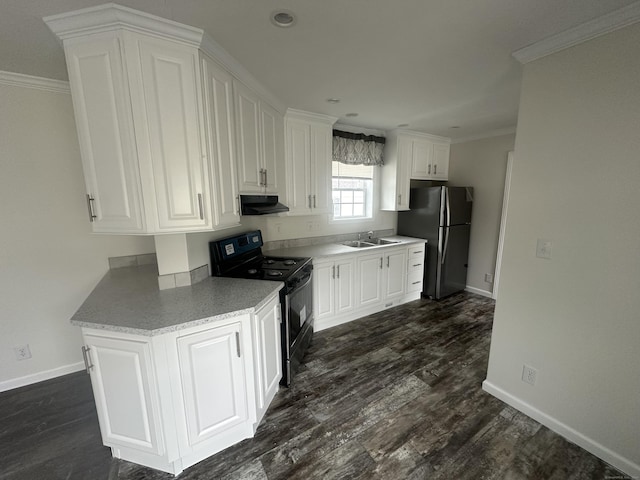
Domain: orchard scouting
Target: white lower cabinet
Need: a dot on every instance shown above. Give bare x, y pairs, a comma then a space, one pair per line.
125, 391
347, 287
213, 381
171, 400
333, 291
267, 359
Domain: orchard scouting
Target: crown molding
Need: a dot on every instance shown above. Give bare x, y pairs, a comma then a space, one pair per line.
480, 136
427, 136
37, 83
310, 116
112, 16
581, 33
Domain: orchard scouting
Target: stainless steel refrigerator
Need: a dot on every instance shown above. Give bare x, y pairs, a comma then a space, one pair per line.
442, 216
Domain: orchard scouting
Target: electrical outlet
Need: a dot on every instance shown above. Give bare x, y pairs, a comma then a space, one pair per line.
488, 277
529, 374
543, 248
22, 352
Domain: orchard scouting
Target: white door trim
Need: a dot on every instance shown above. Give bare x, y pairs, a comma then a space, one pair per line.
503, 221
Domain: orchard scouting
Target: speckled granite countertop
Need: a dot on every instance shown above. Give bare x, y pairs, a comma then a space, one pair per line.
331, 249
128, 300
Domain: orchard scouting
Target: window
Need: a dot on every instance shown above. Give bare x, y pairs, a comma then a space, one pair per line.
352, 190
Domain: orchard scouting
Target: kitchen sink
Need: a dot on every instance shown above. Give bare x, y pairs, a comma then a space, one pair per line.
382, 241
373, 242
358, 244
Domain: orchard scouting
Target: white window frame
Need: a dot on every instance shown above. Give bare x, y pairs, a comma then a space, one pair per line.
375, 203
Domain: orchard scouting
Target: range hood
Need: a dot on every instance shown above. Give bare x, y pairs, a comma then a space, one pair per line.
261, 205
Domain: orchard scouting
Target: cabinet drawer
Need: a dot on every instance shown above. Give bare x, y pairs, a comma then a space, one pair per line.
416, 252
415, 265
414, 281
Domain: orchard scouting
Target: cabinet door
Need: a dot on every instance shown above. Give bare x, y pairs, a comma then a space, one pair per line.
170, 86
105, 131
421, 157
344, 296
272, 147
402, 174
440, 163
396, 274
369, 288
321, 156
247, 139
298, 164
213, 381
125, 393
267, 355
220, 138
323, 290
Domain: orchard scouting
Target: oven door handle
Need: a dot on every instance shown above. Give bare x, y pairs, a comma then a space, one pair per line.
301, 286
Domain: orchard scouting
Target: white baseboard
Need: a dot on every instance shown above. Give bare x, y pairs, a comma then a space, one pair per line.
574, 436
484, 293
40, 376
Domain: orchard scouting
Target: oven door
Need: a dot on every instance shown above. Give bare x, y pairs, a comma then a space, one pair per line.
299, 306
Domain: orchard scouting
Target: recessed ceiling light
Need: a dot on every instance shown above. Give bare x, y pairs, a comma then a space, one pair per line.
333, 100
455, 126
283, 18
402, 125
351, 115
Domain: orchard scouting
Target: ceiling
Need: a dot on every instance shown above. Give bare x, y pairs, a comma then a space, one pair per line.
432, 64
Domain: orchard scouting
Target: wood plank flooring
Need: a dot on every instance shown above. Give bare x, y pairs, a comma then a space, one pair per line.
396, 395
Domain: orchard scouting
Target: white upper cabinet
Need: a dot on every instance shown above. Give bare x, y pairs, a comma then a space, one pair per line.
105, 130
221, 148
137, 103
308, 160
411, 155
165, 88
168, 136
429, 159
260, 142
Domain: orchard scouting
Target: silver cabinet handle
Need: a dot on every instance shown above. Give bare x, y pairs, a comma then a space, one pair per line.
429, 171
266, 182
200, 206
333, 272
435, 169
415, 283
314, 202
380, 263
338, 274
238, 203
388, 262
417, 264
238, 344
400, 199
90, 201
309, 201
262, 177
87, 359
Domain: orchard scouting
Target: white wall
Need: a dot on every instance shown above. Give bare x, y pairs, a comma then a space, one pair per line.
575, 317
482, 164
49, 262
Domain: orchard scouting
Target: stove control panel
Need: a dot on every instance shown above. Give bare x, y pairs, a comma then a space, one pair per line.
228, 248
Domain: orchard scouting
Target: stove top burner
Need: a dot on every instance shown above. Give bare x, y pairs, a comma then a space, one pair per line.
270, 261
289, 262
252, 271
273, 273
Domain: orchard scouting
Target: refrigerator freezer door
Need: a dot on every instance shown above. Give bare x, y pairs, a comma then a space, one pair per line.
458, 203
452, 261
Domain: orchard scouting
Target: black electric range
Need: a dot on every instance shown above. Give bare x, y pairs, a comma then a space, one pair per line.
241, 256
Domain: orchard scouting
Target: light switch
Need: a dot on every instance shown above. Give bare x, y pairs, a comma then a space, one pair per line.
543, 248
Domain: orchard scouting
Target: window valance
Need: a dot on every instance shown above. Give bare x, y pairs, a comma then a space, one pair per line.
357, 148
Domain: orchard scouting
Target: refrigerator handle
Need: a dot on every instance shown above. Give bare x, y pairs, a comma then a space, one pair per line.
446, 244
446, 194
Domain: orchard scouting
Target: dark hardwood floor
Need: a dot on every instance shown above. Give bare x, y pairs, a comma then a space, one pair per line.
396, 395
